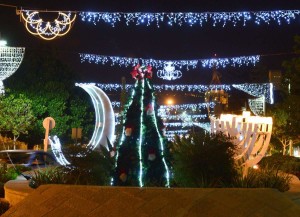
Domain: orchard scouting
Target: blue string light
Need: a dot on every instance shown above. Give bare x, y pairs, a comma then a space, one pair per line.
257, 90
165, 87
205, 63
192, 19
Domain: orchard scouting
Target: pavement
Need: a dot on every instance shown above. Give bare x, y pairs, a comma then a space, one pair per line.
294, 192
70, 200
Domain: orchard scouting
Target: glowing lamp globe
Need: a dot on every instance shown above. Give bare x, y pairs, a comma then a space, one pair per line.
10, 60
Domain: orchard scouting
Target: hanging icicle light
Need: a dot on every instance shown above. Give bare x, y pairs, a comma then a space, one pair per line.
178, 87
258, 90
192, 19
205, 63
10, 60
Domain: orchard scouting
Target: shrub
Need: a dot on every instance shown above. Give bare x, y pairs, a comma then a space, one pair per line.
89, 167
4, 206
50, 175
7, 174
263, 178
284, 163
9, 143
203, 160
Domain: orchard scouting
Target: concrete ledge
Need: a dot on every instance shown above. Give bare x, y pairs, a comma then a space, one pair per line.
70, 200
16, 191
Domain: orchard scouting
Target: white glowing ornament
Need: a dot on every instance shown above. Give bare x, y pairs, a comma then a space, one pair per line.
45, 29
10, 60
169, 72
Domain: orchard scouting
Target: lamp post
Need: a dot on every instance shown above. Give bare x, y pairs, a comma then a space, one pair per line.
10, 60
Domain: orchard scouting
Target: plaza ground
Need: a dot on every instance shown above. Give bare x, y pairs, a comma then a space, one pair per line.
67, 200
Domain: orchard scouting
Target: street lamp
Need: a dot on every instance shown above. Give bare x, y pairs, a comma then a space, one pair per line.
170, 101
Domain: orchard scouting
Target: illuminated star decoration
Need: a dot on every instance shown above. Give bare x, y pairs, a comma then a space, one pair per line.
192, 19
169, 72
45, 29
139, 72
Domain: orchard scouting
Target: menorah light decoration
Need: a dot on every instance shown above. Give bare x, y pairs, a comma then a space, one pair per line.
251, 134
10, 60
45, 29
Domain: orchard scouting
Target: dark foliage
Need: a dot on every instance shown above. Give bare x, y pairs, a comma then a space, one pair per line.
284, 163
203, 160
88, 167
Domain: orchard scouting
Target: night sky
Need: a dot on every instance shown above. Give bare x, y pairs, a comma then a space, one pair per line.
165, 43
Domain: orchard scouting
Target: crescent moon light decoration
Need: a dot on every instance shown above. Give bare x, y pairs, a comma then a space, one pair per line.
104, 122
45, 29
104, 114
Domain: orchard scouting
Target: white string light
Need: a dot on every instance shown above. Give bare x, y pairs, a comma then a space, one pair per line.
193, 107
167, 174
257, 106
178, 117
165, 87
258, 90
192, 19
205, 63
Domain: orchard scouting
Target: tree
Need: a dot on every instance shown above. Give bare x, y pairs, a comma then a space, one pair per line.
286, 113
16, 115
50, 84
141, 150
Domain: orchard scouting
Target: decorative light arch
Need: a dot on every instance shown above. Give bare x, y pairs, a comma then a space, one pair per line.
45, 29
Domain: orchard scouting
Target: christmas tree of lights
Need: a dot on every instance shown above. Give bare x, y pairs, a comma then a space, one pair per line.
141, 151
